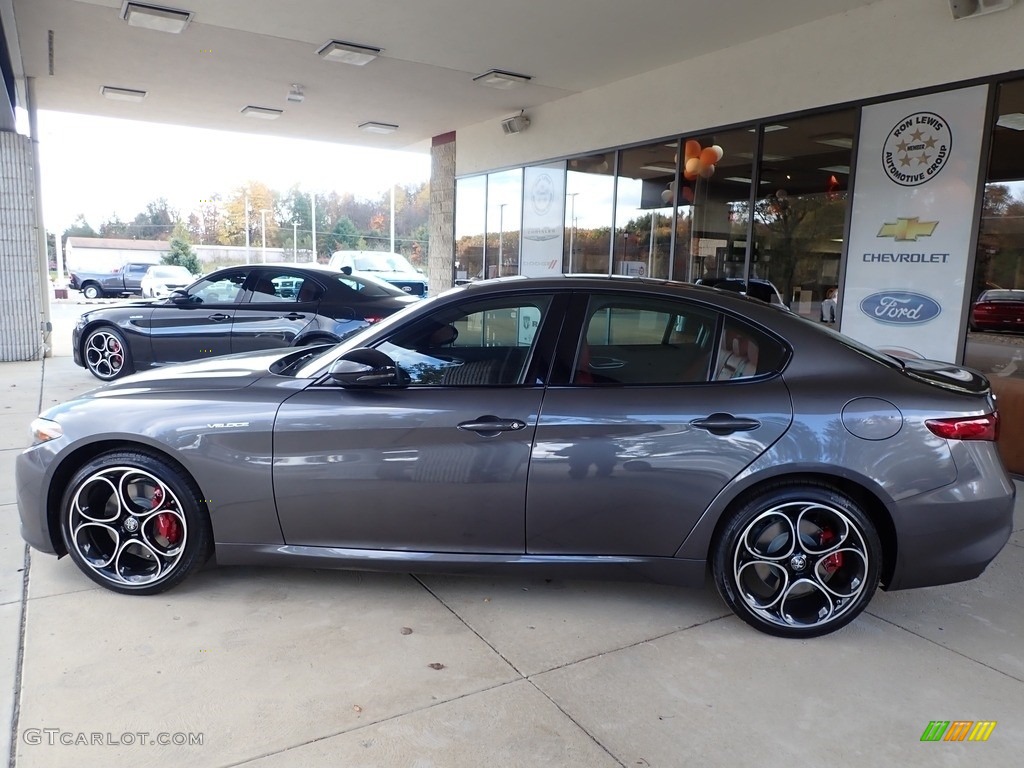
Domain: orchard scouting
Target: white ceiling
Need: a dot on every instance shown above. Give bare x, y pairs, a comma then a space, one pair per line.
248, 52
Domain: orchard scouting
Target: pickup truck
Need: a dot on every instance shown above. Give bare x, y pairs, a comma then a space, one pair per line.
126, 280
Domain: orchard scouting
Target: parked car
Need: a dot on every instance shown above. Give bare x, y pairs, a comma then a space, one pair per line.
125, 280
1000, 309
392, 267
566, 426
763, 290
163, 279
238, 309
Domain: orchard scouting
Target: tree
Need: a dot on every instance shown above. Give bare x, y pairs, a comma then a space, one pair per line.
181, 254
344, 236
157, 222
114, 227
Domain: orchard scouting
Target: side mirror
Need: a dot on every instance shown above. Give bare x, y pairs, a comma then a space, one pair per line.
364, 367
178, 295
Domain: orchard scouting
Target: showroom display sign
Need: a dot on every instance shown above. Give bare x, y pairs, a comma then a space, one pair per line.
543, 220
910, 235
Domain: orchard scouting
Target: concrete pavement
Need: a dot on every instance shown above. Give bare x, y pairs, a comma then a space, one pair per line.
276, 667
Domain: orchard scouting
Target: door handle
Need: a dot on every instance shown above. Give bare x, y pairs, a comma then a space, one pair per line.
725, 424
488, 426
294, 316
218, 317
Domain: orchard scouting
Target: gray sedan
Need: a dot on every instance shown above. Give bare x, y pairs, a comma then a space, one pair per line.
570, 426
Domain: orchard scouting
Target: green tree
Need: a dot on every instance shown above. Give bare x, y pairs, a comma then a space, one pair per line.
344, 236
181, 254
157, 222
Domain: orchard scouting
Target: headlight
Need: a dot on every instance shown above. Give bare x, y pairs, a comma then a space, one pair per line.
44, 430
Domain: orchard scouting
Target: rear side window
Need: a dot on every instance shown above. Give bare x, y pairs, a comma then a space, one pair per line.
640, 340
744, 352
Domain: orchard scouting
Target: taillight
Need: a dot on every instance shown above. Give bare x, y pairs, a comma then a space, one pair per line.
967, 428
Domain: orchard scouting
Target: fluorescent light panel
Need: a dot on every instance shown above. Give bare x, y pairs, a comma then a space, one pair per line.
1014, 121
348, 53
155, 17
659, 168
264, 113
840, 140
769, 128
496, 78
766, 157
836, 169
374, 127
122, 94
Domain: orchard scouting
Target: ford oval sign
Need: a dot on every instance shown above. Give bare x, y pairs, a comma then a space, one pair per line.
900, 307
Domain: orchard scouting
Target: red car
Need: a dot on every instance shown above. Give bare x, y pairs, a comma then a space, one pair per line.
1001, 309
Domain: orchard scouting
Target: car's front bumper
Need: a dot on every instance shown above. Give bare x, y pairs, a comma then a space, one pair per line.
31, 483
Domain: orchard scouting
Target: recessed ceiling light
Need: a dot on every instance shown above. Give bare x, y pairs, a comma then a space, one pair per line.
659, 168
766, 157
348, 53
495, 78
836, 169
1014, 121
264, 113
769, 128
372, 127
840, 140
122, 94
155, 17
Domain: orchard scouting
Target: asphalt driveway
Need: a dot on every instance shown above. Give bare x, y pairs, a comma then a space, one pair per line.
274, 667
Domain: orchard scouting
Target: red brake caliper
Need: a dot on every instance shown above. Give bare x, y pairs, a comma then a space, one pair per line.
834, 561
168, 529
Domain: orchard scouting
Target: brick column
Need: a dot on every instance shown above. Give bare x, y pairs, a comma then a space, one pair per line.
441, 254
21, 336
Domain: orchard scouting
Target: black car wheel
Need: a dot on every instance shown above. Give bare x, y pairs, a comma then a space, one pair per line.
798, 561
92, 291
106, 354
133, 523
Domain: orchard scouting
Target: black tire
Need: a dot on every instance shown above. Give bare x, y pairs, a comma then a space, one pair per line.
106, 354
798, 560
134, 523
92, 291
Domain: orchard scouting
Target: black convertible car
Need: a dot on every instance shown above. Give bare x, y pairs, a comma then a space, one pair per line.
238, 309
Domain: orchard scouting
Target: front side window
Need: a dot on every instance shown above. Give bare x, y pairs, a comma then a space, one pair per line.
224, 288
480, 344
639, 340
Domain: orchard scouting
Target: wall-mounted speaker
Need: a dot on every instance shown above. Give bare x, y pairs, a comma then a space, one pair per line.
515, 124
965, 9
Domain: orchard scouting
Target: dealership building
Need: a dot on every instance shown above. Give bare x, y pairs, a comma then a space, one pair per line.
863, 159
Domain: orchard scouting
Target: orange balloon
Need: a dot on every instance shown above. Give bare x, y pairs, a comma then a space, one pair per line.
708, 156
692, 165
692, 150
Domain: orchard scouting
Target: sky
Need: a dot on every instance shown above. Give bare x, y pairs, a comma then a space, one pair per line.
100, 167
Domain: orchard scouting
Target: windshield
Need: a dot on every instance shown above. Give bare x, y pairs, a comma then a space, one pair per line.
383, 262
174, 273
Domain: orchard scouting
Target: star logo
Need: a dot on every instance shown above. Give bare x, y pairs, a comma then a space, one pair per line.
917, 148
903, 230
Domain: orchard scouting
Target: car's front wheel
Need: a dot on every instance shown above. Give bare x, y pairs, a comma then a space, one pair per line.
798, 560
134, 523
106, 354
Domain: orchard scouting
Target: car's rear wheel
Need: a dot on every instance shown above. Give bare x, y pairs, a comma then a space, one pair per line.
92, 291
134, 523
798, 560
106, 354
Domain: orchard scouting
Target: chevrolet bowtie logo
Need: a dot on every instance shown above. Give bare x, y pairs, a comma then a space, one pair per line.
908, 229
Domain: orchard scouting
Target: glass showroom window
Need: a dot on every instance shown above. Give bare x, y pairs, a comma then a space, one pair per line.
995, 342
589, 189
504, 218
470, 224
714, 205
643, 210
801, 209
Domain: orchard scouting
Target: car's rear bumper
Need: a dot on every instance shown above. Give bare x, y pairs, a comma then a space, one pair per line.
951, 534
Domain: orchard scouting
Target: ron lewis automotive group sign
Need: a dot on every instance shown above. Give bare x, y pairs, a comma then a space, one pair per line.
910, 235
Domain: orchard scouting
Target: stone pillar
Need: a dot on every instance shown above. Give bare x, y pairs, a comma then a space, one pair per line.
21, 297
441, 253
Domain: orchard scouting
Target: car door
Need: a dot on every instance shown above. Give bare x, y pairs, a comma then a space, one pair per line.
438, 465
198, 324
650, 414
274, 309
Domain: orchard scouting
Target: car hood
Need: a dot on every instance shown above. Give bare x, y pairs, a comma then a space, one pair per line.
217, 373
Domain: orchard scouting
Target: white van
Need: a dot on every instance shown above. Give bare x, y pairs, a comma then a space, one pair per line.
393, 267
